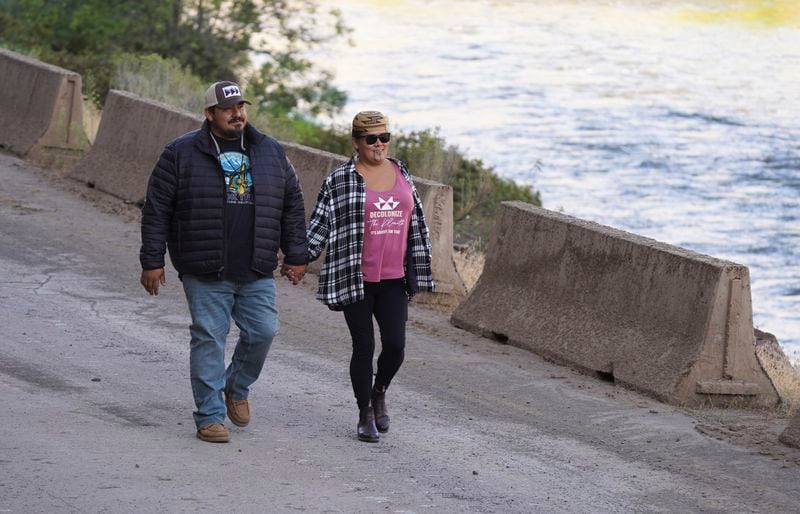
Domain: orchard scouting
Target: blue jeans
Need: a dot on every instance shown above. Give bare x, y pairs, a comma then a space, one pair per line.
212, 304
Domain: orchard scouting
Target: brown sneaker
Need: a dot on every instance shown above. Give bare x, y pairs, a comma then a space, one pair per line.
238, 411
214, 433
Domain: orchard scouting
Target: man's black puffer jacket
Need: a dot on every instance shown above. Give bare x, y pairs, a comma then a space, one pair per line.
185, 205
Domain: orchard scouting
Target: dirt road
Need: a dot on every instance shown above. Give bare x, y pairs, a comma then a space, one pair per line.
95, 389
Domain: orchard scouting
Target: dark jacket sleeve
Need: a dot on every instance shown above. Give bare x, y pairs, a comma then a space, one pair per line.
293, 222
157, 212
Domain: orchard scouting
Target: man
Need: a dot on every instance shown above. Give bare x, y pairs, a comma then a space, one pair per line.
223, 200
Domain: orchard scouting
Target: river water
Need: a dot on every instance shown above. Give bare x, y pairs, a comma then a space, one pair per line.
678, 121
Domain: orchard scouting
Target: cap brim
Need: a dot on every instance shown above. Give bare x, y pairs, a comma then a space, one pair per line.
230, 102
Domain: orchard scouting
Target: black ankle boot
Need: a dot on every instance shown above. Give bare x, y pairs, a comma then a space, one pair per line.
366, 425
379, 408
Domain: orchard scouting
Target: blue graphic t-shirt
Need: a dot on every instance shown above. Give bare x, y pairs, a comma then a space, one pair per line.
239, 212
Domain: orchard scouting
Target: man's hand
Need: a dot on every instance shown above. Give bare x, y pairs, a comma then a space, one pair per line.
293, 272
152, 279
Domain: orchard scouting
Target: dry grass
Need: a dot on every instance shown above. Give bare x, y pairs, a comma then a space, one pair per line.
469, 260
157, 78
91, 120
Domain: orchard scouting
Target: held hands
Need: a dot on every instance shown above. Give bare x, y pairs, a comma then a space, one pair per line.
293, 272
152, 279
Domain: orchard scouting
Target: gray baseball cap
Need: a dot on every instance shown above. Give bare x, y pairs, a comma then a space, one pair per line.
224, 94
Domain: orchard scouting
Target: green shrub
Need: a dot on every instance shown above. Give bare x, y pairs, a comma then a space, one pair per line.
428, 155
477, 189
214, 39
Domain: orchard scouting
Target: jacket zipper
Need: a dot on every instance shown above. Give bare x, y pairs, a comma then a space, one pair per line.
221, 172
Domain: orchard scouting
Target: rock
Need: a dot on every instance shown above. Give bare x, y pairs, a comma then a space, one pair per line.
786, 380
791, 435
777, 366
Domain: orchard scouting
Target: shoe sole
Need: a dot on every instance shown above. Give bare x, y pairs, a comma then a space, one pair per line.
239, 423
214, 439
369, 439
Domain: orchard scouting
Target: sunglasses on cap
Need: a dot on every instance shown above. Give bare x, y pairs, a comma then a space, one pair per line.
371, 139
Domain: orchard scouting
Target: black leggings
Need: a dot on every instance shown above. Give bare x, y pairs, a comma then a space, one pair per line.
387, 301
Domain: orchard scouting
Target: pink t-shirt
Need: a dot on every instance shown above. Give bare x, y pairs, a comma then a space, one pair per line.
387, 215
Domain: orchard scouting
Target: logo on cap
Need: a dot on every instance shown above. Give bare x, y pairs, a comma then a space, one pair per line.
230, 91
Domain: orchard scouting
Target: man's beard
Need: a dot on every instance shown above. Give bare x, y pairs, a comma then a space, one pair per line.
231, 134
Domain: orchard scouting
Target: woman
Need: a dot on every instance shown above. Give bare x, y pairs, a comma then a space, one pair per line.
369, 215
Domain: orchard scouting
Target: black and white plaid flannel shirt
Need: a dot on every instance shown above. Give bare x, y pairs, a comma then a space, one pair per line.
338, 222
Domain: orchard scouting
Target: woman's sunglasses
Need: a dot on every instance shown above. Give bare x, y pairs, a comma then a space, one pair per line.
371, 139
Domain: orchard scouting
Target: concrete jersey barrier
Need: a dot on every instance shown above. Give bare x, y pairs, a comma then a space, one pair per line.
661, 319
41, 111
132, 134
